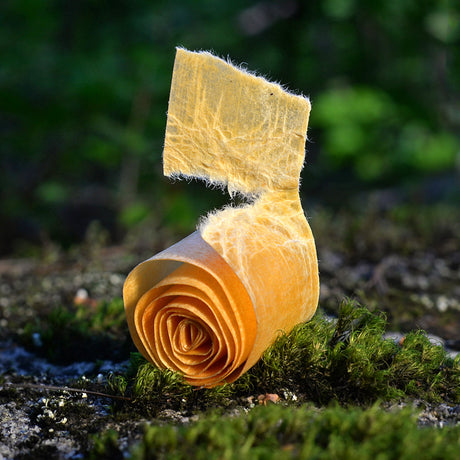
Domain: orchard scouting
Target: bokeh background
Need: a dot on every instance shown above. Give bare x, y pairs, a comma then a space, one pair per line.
85, 85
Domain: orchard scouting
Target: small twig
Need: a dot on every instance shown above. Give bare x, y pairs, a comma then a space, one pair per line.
69, 389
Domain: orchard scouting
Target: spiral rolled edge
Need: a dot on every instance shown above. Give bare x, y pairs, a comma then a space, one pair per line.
197, 320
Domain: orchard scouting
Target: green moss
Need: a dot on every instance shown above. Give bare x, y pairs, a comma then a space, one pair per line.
107, 317
117, 384
80, 333
347, 360
151, 380
305, 432
105, 447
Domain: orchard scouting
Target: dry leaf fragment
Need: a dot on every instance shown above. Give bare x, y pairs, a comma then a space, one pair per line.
268, 398
210, 305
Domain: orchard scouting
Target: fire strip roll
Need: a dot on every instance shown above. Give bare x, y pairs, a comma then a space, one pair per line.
209, 306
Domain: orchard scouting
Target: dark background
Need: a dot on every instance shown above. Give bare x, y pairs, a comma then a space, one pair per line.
84, 87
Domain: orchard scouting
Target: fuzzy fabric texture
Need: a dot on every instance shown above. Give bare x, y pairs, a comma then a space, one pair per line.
210, 305
232, 128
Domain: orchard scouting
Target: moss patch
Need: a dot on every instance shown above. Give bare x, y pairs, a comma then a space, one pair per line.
80, 333
346, 360
306, 432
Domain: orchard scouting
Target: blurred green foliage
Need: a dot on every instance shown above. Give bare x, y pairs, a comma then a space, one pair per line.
84, 89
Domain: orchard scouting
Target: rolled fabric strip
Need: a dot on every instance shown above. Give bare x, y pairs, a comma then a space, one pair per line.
210, 305
188, 311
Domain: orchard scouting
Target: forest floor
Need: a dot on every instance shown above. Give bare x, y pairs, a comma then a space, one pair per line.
67, 384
